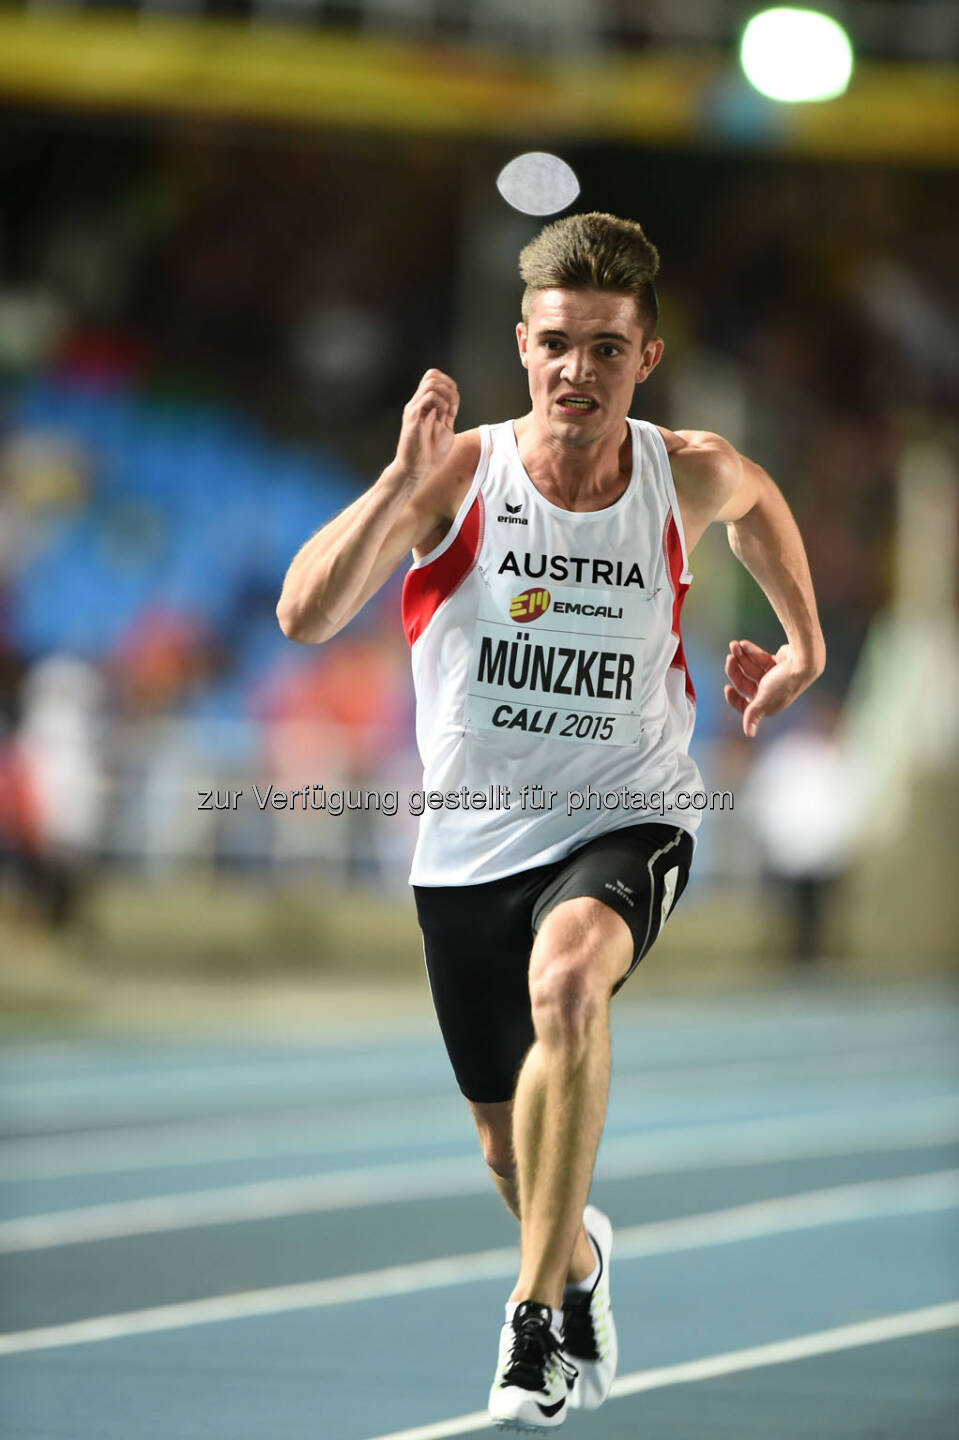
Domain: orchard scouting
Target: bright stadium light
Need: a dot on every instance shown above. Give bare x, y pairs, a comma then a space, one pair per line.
790, 54
538, 183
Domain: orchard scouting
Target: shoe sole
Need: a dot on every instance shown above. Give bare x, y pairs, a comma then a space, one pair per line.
522, 1427
528, 1427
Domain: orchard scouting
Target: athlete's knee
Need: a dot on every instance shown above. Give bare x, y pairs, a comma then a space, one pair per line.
500, 1161
498, 1154
582, 948
495, 1137
567, 999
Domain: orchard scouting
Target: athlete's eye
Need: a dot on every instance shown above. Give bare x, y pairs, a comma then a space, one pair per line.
557, 343
609, 351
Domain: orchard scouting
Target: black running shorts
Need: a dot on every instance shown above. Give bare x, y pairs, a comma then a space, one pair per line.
477, 941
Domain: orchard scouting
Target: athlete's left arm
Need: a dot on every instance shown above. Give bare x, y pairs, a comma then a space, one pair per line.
715, 483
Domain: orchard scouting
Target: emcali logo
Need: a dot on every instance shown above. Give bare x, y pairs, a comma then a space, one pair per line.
529, 606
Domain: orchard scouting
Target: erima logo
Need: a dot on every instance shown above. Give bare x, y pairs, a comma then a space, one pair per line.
623, 891
529, 606
514, 517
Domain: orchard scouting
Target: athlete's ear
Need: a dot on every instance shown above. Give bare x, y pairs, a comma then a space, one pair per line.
522, 340
652, 354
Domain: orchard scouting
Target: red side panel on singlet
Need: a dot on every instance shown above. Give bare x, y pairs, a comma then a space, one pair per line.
673, 549
425, 589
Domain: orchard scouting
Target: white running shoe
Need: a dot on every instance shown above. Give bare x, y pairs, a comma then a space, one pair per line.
531, 1383
589, 1334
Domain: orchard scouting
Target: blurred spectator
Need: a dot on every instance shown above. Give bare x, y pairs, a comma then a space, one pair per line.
802, 799
19, 819
155, 663
56, 782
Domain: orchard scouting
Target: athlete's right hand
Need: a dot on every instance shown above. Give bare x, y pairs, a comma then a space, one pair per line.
426, 438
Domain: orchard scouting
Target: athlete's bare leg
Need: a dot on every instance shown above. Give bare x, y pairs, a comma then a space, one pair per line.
494, 1121
582, 949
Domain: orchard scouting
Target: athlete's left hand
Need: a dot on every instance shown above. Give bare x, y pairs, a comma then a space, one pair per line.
762, 684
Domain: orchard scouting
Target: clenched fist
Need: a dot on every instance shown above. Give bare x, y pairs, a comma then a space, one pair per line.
426, 438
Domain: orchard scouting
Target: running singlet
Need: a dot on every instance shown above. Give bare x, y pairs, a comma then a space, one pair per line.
546, 651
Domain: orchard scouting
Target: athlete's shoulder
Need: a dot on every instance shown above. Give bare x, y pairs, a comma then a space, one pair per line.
697, 447
705, 466
707, 472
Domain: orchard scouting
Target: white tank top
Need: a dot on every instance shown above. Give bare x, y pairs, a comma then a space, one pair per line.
546, 652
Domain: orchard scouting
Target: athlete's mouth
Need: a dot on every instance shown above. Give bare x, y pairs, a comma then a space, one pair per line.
577, 404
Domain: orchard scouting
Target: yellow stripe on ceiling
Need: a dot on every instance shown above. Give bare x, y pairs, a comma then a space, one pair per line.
226, 68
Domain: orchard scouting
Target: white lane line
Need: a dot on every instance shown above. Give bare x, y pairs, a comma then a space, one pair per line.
710, 1367
930, 1121
62, 1104
253, 1136
690, 1148
182, 1143
235, 1204
195, 1068
774, 1138
229, 1073
810, 1210
681, 1149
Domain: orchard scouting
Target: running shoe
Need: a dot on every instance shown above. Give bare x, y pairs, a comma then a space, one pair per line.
589, 1334
532, 1377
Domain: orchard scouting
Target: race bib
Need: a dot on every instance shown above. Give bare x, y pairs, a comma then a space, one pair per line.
562, 661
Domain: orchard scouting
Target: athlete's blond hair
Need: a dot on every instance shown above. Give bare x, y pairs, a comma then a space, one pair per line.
593, 252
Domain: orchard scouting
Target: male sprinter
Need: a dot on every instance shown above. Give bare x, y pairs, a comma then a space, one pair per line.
542, 609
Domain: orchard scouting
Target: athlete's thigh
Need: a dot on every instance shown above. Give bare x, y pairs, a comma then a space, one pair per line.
476, 943
638, 871
582, 931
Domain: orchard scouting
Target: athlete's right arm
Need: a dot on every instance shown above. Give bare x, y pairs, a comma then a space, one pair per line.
409, 507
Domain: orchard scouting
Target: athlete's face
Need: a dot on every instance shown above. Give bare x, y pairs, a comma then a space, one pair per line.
583, 346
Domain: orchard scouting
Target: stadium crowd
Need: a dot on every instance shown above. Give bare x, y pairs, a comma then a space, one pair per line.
205, 344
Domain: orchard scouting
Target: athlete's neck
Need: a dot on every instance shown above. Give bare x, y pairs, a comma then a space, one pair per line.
587, 476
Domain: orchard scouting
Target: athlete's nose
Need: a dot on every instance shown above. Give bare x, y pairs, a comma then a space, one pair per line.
577, 367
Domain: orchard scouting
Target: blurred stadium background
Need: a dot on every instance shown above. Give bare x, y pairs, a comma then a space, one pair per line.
232, 238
